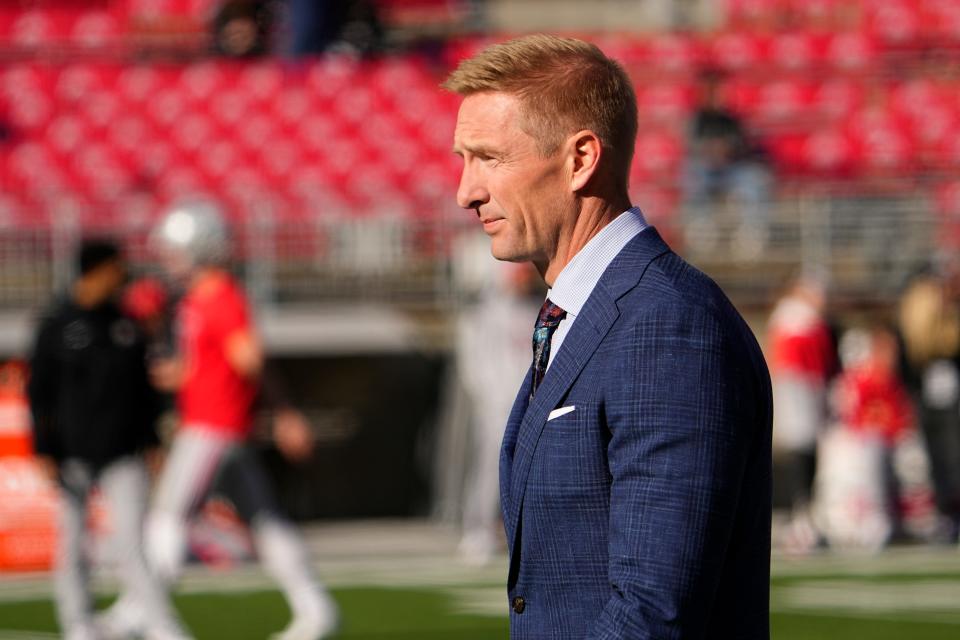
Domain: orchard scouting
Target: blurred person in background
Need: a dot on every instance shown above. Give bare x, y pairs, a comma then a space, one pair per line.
493, 346
859, 487
803, 360
725, 169
243, 28
94, 415
215, 376
929, 318
349, 26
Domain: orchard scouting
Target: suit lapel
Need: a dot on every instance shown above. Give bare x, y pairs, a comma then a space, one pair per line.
588, 330
510, 441
582, 340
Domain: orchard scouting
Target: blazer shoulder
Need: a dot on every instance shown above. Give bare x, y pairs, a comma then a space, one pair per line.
679, 294
671, 281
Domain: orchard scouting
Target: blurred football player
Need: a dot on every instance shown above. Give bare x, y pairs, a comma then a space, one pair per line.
215, 376
94, 415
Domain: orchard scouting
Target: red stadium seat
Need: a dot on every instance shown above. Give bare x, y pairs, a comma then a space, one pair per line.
782, 102
129, 132
836, 99
665, 103
738, 51
293, 105
668, 54
167, 107
796, 51
36, 29
740, 95
95, 30
850, 51
918, 95
8, 19
201, 82
230, 108
828, 153
657, 157
361, 135
261, 81
27, 110
138, 83
882, 142
101, 109
941, 22
895, 23
66, 133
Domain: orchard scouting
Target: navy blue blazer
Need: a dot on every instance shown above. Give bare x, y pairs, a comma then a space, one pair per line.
645, 511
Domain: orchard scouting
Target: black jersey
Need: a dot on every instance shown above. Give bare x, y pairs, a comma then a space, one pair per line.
89, 390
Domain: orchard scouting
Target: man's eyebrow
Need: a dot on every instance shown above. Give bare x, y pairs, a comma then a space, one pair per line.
475, 149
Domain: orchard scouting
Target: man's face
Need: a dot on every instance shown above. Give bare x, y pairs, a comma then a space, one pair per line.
521, 198
176, 264
108, 279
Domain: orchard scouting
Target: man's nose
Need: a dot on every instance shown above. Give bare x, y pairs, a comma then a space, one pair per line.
471, 194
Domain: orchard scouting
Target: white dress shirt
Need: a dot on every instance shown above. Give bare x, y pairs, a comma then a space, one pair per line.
578, 279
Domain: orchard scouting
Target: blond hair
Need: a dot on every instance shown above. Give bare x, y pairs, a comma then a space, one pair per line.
564, 86
929, 323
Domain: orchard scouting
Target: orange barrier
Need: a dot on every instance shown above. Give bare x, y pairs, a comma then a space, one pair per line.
28, 502
15, 435
28, 512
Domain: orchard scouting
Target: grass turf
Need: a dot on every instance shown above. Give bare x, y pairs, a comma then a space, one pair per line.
368, 614
428, 613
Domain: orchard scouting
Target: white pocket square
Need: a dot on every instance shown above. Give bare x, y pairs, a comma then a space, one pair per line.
562, 411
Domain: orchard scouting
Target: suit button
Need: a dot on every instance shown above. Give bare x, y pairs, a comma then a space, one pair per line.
519, 604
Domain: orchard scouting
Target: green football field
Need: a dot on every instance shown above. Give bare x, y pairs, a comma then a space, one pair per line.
883, 606
403, 580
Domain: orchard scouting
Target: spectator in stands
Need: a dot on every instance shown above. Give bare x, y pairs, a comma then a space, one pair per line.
317, 26
725, 167
242, 28
930, 329
803, 360
94, 416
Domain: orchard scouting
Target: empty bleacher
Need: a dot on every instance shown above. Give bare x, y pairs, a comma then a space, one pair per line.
103, 127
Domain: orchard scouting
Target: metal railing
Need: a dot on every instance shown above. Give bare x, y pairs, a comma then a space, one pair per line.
866, 246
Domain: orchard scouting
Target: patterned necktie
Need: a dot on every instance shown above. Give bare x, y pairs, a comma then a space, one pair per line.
547, 322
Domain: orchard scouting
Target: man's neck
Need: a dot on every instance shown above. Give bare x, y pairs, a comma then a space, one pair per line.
594, 215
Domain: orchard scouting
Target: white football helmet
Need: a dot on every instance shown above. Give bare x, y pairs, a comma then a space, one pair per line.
194, 234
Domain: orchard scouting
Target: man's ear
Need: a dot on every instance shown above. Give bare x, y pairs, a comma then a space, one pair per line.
586, 151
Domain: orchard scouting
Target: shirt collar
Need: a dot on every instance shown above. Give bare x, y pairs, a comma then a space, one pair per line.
578, 279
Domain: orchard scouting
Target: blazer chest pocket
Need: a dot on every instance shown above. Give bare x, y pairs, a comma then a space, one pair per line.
571, 451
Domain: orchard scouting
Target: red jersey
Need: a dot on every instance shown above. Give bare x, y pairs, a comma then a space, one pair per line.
873, 400
800, 342
213, 395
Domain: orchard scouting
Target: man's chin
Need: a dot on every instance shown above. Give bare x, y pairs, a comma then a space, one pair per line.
505, 255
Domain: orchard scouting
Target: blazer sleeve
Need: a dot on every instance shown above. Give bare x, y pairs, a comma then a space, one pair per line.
680, 437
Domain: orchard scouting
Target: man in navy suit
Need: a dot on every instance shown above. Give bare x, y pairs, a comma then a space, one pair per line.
635, 468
